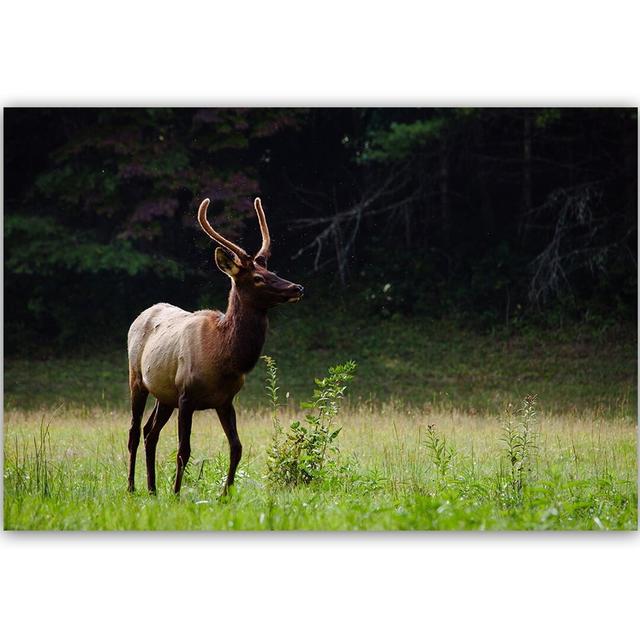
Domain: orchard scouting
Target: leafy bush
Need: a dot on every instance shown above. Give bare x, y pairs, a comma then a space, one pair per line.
305, 450
440, 453
520, 440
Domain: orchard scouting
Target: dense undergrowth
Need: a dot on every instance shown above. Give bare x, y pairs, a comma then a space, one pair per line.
410, 361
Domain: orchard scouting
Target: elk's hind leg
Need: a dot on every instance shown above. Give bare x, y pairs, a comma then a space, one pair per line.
139, 396
158, 418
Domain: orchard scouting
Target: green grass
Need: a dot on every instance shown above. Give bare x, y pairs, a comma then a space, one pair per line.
66, 423
412, 362
68, 471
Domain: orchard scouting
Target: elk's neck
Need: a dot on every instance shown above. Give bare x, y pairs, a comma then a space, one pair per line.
246, 328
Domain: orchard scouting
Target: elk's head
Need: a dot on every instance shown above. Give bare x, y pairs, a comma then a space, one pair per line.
253, 281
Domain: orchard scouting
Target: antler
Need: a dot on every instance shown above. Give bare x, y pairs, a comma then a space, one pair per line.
209, 230
265, 249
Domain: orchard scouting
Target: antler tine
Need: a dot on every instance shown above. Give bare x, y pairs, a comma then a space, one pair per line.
265, 249
209, 230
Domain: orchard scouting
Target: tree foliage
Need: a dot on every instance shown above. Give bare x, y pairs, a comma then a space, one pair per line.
495, 214
99, 208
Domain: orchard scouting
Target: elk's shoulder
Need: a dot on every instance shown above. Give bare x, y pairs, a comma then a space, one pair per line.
210, 316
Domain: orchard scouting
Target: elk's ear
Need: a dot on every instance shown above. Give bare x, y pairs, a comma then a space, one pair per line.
227, 262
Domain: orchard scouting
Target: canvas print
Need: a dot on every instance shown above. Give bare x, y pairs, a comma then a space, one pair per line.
320, 319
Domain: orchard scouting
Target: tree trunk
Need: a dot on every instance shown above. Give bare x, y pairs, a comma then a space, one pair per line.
482, 181
445, 213
527, 188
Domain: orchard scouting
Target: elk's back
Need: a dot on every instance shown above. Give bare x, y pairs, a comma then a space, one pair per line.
162, 345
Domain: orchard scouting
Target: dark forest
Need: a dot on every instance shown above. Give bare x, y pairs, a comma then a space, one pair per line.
494, 217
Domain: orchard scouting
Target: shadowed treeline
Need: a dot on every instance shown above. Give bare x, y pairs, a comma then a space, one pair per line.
498, 217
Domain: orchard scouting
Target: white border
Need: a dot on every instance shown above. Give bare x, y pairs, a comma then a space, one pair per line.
320, 54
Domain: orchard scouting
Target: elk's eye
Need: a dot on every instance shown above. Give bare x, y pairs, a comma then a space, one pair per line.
257, 279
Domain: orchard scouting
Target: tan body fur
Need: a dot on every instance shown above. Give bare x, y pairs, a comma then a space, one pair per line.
172, 351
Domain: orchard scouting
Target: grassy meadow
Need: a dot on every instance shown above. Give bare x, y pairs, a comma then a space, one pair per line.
66, 422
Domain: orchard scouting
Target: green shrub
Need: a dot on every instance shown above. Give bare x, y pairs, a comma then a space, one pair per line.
307, 449
440, 453
520, 439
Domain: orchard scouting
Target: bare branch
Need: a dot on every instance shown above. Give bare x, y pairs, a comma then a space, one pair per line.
341, 228
574, 244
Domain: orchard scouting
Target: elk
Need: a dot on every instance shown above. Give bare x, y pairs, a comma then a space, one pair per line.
196, 361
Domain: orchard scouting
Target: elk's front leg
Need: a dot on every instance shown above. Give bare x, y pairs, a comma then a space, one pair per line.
185, 415
227, 415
